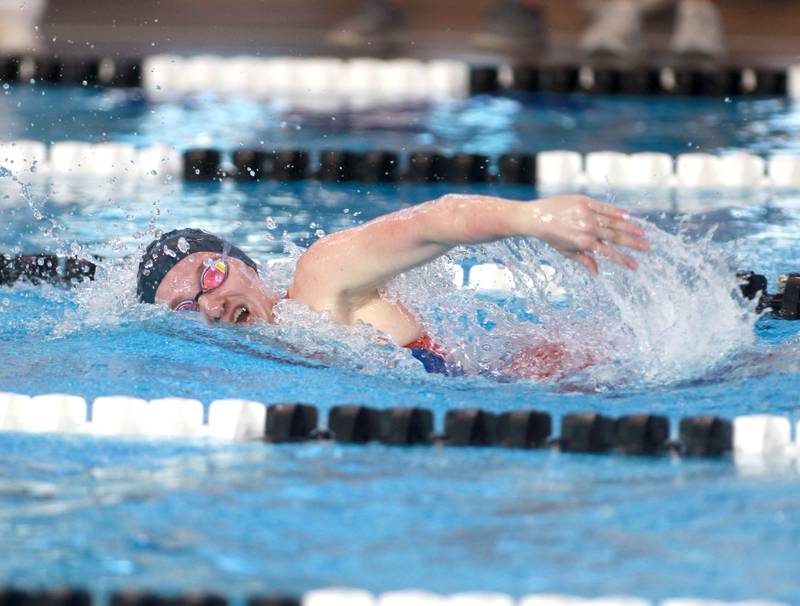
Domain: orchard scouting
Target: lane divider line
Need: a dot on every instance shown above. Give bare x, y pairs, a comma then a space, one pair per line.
237, 420
361, 81
552, 168
345, 596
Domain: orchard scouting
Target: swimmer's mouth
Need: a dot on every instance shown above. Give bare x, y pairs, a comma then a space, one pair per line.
241, 315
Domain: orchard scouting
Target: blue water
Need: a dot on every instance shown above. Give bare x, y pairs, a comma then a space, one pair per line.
489, 125
255, 518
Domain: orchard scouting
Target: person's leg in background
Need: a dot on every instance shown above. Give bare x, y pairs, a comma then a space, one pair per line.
698, 30
511, 26
18, 21
617, 29
376, 25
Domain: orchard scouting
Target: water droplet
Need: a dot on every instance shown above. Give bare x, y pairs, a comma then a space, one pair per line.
169, 252
183, 245
271, 223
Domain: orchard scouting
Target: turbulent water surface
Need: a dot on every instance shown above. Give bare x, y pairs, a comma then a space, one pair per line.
673, 338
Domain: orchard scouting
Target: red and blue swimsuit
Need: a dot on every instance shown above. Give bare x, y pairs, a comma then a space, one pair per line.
432, 357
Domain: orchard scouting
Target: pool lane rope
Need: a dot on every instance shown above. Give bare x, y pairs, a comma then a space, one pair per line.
241, 420
325, 82
554, 168
343, 596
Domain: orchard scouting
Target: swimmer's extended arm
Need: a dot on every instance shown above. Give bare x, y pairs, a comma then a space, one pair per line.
348, 266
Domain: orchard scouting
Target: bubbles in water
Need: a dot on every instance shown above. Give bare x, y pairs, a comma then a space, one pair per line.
644, 327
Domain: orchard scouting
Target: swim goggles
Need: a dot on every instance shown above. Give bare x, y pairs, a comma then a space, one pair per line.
212, 276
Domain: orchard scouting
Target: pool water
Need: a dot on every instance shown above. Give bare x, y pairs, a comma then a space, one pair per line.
254, 518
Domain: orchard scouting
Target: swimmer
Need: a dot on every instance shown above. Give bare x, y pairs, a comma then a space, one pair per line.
344, 272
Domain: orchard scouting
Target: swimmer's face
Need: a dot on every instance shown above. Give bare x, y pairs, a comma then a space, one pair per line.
241, 299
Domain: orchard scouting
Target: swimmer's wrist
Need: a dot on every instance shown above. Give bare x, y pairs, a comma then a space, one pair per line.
528, 220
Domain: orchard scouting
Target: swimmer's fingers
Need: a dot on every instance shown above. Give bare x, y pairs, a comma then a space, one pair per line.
621, 225
585, 259
614, 255
622, 238
608, 210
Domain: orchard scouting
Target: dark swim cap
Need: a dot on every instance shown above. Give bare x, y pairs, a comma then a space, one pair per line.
166, 252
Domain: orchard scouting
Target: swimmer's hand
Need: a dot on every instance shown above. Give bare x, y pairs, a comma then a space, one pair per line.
580, 227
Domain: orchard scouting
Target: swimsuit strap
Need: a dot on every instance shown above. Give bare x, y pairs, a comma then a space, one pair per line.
424, 342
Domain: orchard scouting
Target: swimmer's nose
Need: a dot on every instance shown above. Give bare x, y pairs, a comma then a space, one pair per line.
213, 308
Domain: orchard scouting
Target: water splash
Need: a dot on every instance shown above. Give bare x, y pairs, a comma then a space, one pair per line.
676, 319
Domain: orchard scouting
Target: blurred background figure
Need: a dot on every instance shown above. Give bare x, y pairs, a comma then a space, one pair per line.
508, 26
616, 29
18, 25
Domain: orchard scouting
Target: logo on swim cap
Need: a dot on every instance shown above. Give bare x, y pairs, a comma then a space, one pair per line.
171, 248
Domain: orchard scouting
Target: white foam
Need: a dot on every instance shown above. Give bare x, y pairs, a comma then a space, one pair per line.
491, 278
236, 419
